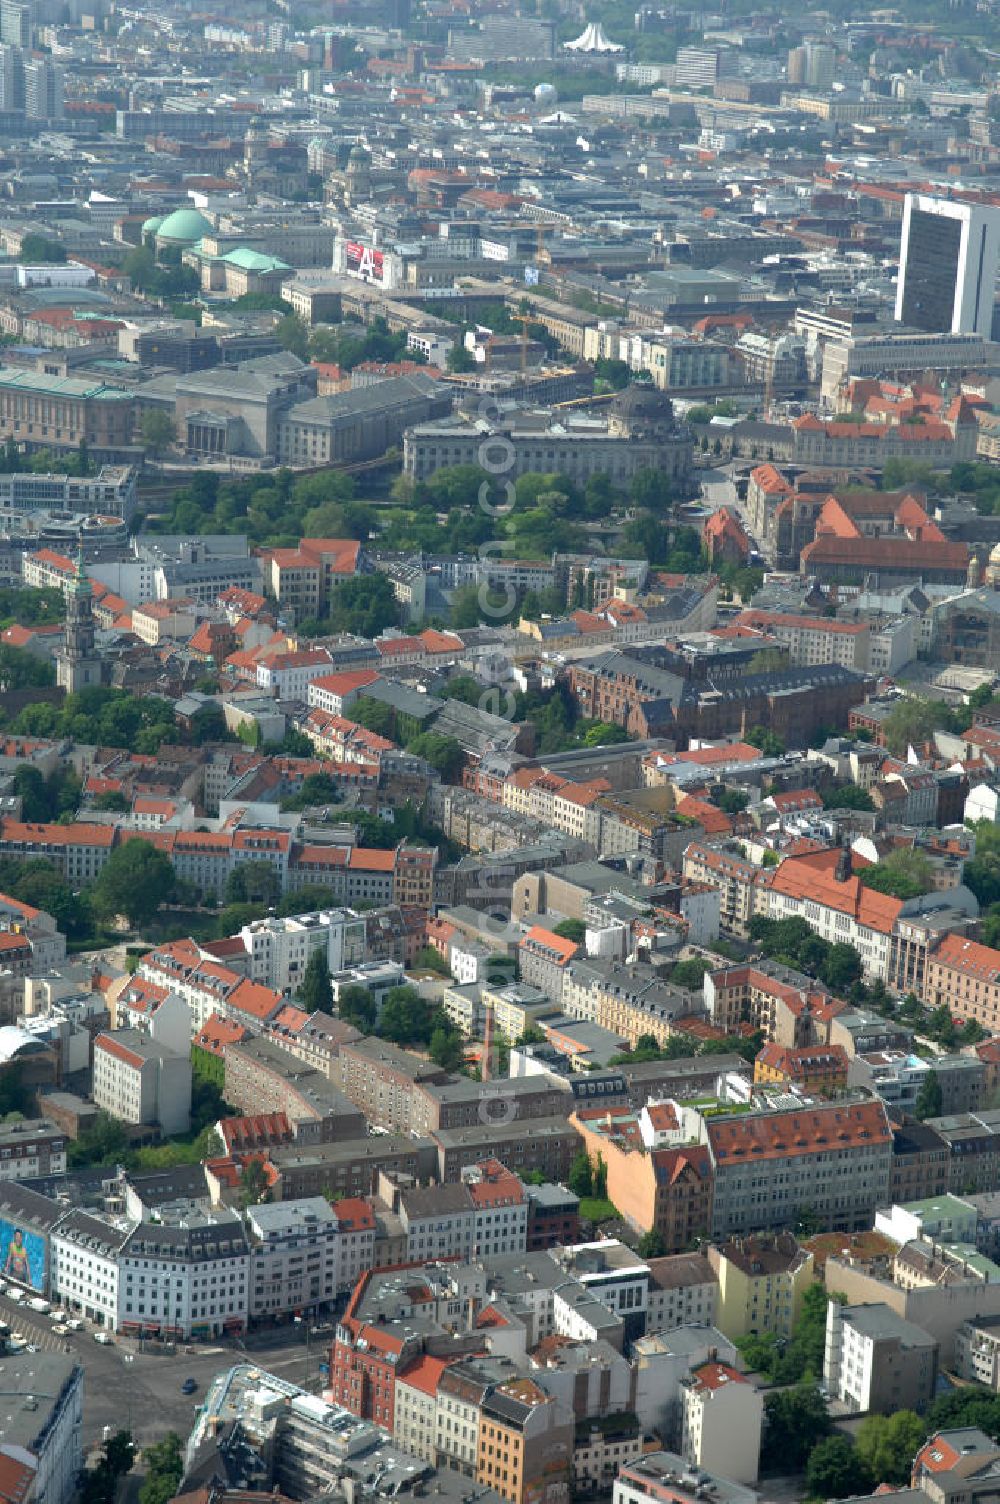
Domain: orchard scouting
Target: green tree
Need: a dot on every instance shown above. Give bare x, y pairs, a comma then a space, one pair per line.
459, 359
847, 796
580, 1179
446, 1048
767, 661
887, 1445
651, 1245
689, 974
105, 1142
835, 1471
135, 880
254, 1187
292, 335
406, 1018
111, 801
99, 1484
374, 715
571, 929
32, 790
252, 882
465, 610
912, 722
21, 670
768, 742
364, 604
315, 992
930, 1102
355, 1005
39, 248
904, 874
796, 1420
842, 967
164, 1470
156, 432
444, 753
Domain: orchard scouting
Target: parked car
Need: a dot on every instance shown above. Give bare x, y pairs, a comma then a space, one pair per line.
189, 1386
104, 1338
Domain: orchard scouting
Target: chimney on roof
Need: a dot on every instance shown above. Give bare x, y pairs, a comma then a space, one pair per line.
843, 868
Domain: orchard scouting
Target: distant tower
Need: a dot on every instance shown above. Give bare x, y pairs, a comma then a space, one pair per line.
255, 145
77, 661
358, 177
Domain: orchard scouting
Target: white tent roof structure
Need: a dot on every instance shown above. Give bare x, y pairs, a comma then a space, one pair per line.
594, 39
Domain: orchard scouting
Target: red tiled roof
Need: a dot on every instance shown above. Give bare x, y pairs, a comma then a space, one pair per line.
118, 1051
563, 949
813, 877
255, 999
968, 957
829, 1129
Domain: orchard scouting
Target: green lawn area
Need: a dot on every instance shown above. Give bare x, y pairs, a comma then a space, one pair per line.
599, 1209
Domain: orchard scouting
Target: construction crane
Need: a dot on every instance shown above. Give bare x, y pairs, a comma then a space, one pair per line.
524, 319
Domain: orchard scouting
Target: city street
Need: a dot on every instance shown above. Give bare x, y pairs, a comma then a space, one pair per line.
141, 1391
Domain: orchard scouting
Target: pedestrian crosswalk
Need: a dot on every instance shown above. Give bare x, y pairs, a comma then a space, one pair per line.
45, 1340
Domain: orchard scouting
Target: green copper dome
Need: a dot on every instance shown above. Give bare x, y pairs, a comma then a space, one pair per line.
151, 225
185, 225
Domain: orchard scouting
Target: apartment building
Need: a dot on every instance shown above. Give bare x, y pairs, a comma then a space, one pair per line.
84, 1254
287, 674
669, 1190
722, 1416
43, 1427
500, 1207
791, 1010
300, 578
279, 949
876, 1361
762, 1280
262, 1077
294, 1257
30, 1148
189, 1278
525, 1444
823, 889
814, 1070
812, 640
543, 958
77, 851
742, 885
833, 1159
140, 1081
964, 976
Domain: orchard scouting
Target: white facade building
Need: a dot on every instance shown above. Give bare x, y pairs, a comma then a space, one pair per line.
83, 1267
142, 1082
722, 1414
43, 1424
279, 949
185, 1279
294, 1263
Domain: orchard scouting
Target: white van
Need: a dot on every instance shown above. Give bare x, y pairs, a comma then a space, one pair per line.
104, 1338
37, 1303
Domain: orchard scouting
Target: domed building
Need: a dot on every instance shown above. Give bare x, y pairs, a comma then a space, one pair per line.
183, 228
151, 226
641, 433
642, 412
